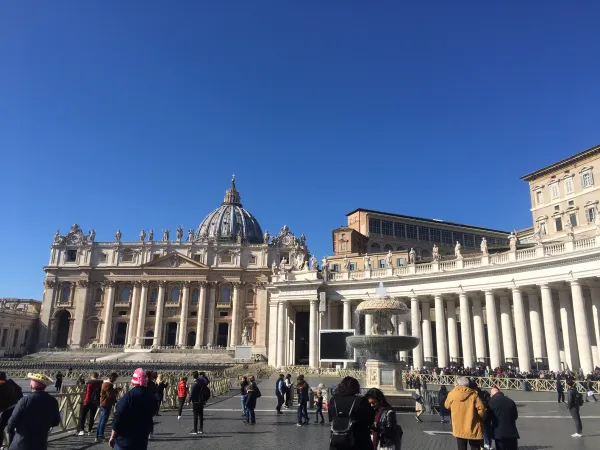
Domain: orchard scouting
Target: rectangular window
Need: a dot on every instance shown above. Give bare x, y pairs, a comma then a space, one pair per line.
569, 186
152, 313
557, 208
469, 240
587, 179
423, 233
554, 190
252, 260
25, 339
226, 258
400, 262
198, 257
382, 263
435, 234
458, 237
411, 232
571, 203
387, 227
103, 257
543, 229
71, 255
538, 197
590, 215
573, 219
194, 313
4, 337
558, 224
155, 256
374, 226
351, 267
335, 267
446, 237
399, 230
16, 338
344, 245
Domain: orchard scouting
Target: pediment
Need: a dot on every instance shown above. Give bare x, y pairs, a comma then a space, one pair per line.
174, 260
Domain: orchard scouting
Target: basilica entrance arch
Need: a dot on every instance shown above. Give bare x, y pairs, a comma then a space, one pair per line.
63, 319
191, 339
120, 333
171, 334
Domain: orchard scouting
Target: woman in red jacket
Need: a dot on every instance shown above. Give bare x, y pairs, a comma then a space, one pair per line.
182, 392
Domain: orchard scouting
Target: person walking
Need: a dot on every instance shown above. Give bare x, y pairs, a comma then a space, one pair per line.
198, 398
161, 385
319, 408
442, 396
151, 387
10, 394
419, 405
108, 398
133, 421
33, 416
302, 403
243, 386
252, 395
574, 402
289, 391
467, 413
279, 392
91, 402
560, 390
182, 393
386, 432
589, 386
503, 414
59, 381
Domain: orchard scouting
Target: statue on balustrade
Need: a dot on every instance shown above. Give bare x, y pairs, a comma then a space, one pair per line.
313, 263
367, 261
245, 336
190, 235
142, 235
435, 253
166, 234
483, 246
118, 236
282, 265
266, 237
388, 260
569, 229
412, 256
56, 236
274, 268
457, 248
512, 242
92, 235
150, 235
324, 264
346, 264
537, 235
179, 233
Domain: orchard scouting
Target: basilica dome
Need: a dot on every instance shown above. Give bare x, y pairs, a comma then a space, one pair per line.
230, 222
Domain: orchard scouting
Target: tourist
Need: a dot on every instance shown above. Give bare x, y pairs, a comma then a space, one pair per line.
419, 405
289, 391
279, 392
589, 386
243, 386
161, 385
108, 398
351, 417
198, 398
467, 413
33, 416
574, 402
182, 393
133, 421
252, 394
503, 414
386, 431
59, 381
319, 408
302, 403
91, 402
560, 390
151, 387
442, 396
10, 394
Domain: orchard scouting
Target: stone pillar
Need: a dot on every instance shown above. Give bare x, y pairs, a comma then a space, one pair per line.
508, 342
109, 302
583, 338
272, 356
281, 335
567, 324
81, 308
183, 315
210, 325
200, 316
141, 322
535, 319
313, 333
550, 329
235, 316
479, 330
160, 306
452, 330
347, 315
50, 291
440, 332
416, 331
595, 293
465, 328
368, 324
521, 331
135, 300
427, 336
402, 332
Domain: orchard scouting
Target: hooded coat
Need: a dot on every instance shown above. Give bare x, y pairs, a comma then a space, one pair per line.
467, 413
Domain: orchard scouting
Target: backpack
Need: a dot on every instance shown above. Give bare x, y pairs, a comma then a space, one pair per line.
342, 435
95, 395
578, 399
205, 393
257, 393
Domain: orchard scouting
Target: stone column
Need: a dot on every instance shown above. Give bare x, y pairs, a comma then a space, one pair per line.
160, 306
272, 334
567, 324
235, 316
535, 319
508, 342
200, 315
440, 332
452, 330
595, 293
479, 330
281, 337
427, 336
210, 325
416, 331
50, 291
368, 324
402, 332
183, 315
347, 315
131, 329
141, 322
583, 338
109, 303
550, 328
521, 331
465, 329
313, 332
81, 308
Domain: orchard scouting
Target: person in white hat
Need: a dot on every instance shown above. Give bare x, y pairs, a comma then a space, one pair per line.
34, 415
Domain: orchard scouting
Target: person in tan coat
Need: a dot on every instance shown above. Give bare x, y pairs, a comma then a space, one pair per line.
467, 412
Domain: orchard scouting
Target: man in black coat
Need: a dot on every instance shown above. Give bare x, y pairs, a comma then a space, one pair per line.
504, 417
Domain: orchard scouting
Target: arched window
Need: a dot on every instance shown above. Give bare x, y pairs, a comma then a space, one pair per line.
375, 247
195, 296
98, 295
124, 295
225, 295
174, 294
66, 294
250, 298
388, 247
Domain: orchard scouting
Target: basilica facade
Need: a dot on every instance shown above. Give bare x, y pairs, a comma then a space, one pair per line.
207, 288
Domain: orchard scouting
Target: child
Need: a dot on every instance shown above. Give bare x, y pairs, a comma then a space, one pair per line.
319, 405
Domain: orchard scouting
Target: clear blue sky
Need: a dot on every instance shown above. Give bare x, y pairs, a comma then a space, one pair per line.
130, 115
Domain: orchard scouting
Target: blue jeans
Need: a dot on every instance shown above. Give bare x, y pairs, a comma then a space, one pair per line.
487, 433
244, 405
104, 415
302, 412
250, 417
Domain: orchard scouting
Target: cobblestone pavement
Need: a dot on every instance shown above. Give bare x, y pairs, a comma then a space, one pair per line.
543, 424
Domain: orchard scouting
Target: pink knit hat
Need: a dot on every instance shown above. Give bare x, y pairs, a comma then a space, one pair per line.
139, 378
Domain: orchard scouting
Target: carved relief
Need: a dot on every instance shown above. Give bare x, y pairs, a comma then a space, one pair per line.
83, 283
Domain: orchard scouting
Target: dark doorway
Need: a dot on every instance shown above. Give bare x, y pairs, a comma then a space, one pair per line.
301, 338
120, 333
149, 337
191, 339
222, 334
62, 332
171, 337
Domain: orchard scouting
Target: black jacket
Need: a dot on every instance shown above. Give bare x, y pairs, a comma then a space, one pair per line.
362, 414
133, 419
389, 430
442, 396
503, 414
196, 390
32, 419
572, 398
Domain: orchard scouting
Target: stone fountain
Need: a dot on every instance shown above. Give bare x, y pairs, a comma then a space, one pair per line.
381, 347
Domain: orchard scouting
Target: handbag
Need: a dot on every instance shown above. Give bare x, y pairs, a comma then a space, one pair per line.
590, 393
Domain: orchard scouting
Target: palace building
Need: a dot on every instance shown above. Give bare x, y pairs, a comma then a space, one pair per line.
205, 289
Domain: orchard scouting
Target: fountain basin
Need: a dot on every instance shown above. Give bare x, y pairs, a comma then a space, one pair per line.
382, 347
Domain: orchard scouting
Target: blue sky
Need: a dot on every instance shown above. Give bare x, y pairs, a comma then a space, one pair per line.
130, 115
